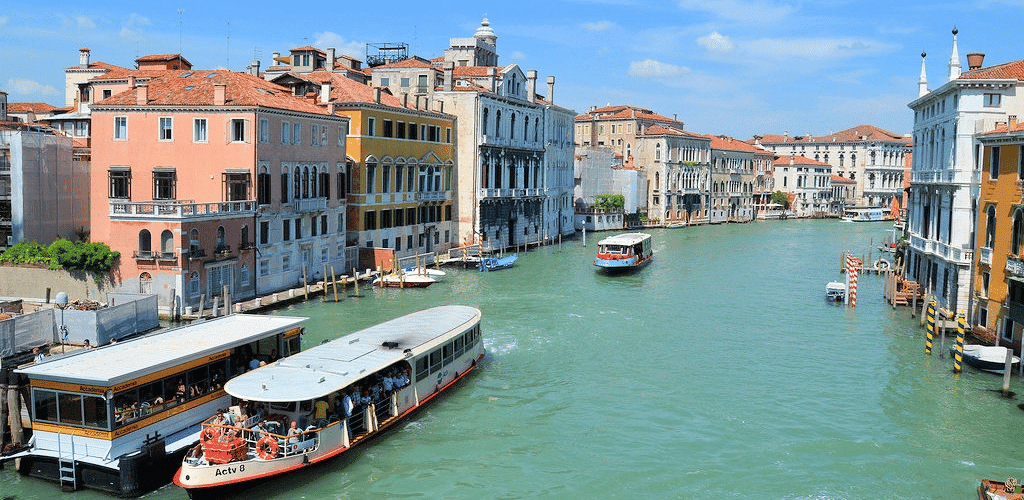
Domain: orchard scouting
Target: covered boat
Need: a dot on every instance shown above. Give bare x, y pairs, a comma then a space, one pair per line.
985, 357
403, 280
307, 408
498, 263
835, 291
624, 252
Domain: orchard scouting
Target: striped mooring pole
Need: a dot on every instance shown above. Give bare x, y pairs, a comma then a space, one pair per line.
958, 356
930, 335
852, 271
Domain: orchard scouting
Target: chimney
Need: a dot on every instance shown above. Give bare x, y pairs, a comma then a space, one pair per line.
449, 68
83, 57
274, 56
531, 85
325, 92
376, 95
405, 99
330, 107
975, 60
330, 60
551, 89
492, 75
131, 81
254, 68
220, 91
142, 95
417, 101
1011, 122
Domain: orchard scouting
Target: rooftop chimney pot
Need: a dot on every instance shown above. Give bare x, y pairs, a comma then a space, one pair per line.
975, 60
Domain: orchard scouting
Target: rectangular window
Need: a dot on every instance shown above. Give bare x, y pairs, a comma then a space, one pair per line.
992, 100
370, 220
398, 244
286, 262
296, 133
385, 82
388, 132
164, 184
423, 132
264, 232
237, 130
265, 267
448, 135
405, 82
385, 181
993, 168
341, 135
120, 128
286, 230
323, 224
401, 130
1020, 162
236, 186
298, 229
385, 219
314, 135
199, 133
412, 131
120, 183
323, 135
166, 128
286, 133
264, 130
371, 125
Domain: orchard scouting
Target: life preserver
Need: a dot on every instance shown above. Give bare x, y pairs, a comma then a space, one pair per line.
209, 434
267, 448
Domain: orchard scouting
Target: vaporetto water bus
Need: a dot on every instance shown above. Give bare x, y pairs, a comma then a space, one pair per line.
624, 252
121, 417
319, 403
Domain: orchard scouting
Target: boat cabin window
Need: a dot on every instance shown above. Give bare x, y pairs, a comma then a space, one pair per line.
447, 353
83, 410
166, 393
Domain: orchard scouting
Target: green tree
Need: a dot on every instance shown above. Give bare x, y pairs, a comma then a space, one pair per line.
781, 198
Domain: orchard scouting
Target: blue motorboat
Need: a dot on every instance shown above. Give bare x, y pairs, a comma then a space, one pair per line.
498, 263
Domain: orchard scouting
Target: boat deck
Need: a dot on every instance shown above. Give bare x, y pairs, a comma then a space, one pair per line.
990, 488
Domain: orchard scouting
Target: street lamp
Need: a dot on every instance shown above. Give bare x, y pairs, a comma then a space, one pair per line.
62, 302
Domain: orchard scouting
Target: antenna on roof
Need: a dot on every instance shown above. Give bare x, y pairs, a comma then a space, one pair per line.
228, 65
180, 12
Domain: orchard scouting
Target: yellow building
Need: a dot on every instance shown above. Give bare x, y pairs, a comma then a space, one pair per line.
999, 267
399, 167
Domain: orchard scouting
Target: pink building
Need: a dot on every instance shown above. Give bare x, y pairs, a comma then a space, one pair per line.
207, 180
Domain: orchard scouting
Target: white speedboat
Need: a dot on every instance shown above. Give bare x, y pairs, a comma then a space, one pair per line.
991, 358
835, 291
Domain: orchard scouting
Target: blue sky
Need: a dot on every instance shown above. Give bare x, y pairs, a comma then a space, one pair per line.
737, 67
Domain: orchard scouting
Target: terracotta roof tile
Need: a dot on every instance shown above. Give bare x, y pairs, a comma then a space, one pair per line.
852, 134
174, 88
307, 48
35, 107
1010, 70
838, 179
98, 65
346, 90
799, 160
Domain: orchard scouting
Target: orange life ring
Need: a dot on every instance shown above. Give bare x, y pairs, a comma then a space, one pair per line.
267, 448
209, 434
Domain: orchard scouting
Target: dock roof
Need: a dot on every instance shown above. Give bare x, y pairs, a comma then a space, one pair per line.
332, 366
124, 361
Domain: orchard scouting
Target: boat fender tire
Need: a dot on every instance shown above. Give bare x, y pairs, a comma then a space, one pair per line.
267, 448
209, 434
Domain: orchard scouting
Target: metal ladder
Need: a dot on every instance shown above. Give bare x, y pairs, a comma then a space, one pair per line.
66, 465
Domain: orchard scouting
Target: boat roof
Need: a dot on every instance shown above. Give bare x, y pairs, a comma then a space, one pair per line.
123, 361
334, 365
624, 239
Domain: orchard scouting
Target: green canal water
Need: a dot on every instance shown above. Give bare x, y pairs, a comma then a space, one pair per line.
719, 371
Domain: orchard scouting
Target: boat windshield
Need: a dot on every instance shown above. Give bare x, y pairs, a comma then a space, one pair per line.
613, 249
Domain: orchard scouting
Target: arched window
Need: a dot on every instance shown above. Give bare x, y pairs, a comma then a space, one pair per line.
145, 283
657, 152
657, 181
263, 187
512, 127
497, 123
221, 242
297, 184
484, 122
145, 243
284, 185
313, 178
193, 284
305, 182
167, 243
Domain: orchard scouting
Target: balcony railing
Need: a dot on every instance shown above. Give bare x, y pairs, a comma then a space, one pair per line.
949, 253
172, 209
433, 195
985, 257
310, 205
150, 255
1015, 267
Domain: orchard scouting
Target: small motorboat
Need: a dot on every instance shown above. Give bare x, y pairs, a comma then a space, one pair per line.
402, 280
498, 263
436, 274
835, 291
985, 357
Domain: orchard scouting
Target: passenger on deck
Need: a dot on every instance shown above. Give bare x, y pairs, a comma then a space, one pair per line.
254, 363
258, 431
37, 356
389, 383
293, 435
181, 392
319, 412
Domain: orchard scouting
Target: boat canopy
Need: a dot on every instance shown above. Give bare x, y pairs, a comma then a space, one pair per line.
625, 239
334, 365
125, 361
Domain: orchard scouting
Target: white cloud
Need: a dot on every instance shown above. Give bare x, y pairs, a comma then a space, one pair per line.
84, 22
518, 56
329, 39
649, 68
132, 28
29, 88
599, 26
716, 42
816, 48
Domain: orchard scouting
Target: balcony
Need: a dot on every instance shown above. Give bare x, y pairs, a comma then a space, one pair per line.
173, 209
310, 205
959, 256
150, 255
986, 256
1015, 266
196, 253
433, 195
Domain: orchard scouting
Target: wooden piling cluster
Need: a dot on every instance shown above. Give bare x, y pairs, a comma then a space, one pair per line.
900, 291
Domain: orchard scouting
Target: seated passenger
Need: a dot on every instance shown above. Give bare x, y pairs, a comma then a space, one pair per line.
293, 435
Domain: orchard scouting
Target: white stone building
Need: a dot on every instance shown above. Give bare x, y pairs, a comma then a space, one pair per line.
946, 169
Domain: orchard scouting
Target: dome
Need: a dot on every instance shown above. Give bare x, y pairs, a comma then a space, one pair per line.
485, 33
